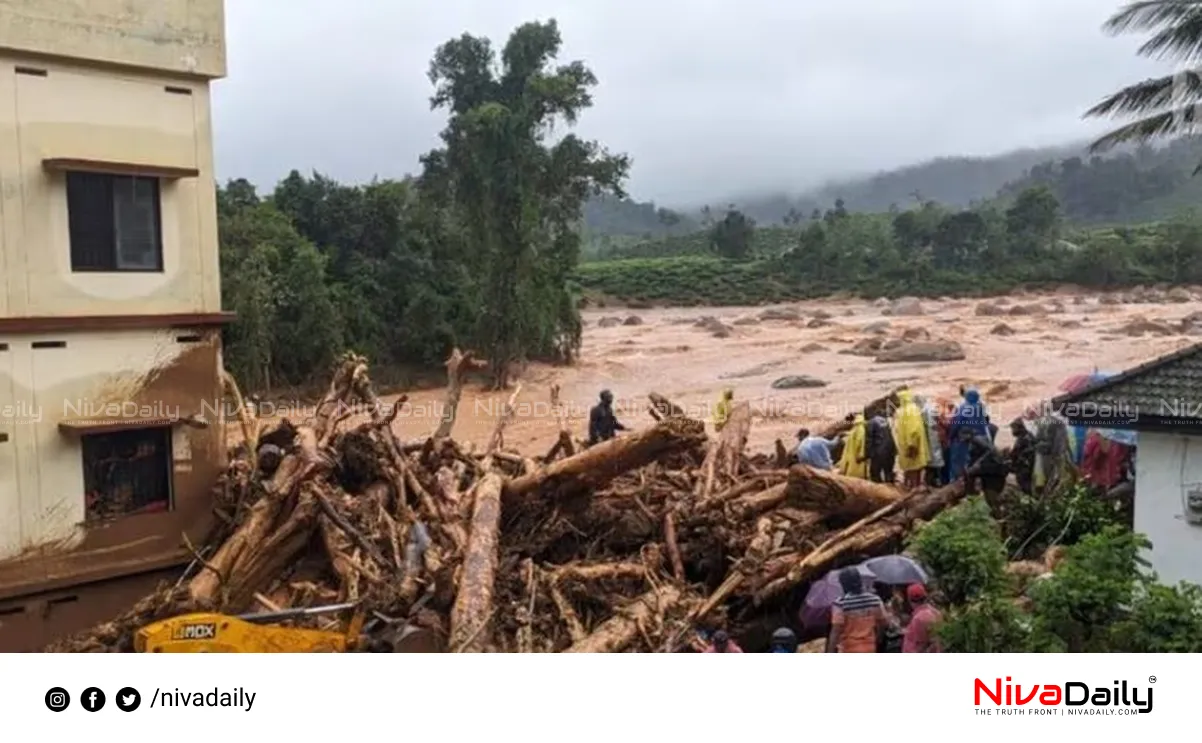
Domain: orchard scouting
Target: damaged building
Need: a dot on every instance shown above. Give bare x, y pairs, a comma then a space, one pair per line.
110, 304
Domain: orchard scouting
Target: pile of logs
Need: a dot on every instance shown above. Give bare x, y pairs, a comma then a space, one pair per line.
628, 545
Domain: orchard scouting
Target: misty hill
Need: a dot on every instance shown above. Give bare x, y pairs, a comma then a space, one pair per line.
954, 181
1142, 184
609, 216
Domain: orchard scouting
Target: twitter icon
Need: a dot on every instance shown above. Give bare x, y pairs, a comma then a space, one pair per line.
128, 699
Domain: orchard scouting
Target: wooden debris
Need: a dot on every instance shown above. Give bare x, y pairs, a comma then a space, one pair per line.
611, 548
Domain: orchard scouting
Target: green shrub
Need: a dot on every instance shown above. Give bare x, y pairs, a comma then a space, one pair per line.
962, 549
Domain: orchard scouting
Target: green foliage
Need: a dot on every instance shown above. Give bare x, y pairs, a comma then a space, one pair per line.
1033, 523
925, 251
990, 624
962, 549
1164, 619
517, 197
478, 251
1090, 592
732, 237
1100, 598
1164, 106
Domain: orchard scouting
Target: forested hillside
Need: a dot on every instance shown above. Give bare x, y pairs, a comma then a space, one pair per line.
931, 250
1146, 184
1130, 185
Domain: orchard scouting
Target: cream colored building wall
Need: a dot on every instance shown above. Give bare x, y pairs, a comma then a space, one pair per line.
41, 468
179, 36
100, 114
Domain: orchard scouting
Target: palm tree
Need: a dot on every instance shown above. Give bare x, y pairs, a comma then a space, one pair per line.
1163, 106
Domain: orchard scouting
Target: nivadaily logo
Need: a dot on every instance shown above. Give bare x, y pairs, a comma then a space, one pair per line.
1070, 697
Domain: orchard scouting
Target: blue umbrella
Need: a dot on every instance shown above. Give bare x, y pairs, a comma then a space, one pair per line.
816, 611
896, 570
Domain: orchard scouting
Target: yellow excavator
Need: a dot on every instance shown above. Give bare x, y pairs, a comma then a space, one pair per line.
261, 633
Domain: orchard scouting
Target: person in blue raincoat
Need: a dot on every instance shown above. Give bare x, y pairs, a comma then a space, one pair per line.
970, 416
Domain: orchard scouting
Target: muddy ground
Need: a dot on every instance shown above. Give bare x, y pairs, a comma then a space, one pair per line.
1017, 351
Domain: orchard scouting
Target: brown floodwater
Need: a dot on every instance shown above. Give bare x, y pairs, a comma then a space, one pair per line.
668, 354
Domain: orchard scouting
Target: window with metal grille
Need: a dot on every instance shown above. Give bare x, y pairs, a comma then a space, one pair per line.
127, 472
115, 222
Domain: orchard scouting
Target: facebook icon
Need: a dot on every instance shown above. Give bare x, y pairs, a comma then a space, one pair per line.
92, 699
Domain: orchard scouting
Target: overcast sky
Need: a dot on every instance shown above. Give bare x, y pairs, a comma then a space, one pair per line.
709, 98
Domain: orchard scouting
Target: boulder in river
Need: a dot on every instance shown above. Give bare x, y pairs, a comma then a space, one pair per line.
633, 320
813, 348
1002, 329
940, 350
865, 347
1028, 309
989, 309
1179, 295
780, 313
755, 371
609, 322
797, 382
713, 326
880, 327
904, 307
818, 322
1142, 326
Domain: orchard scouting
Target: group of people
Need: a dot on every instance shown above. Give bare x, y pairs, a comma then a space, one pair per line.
863, 620
929, 445
936, 445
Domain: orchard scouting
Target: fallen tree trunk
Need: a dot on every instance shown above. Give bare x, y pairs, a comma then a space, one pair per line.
598, 465
871, 537
619, 631
662, 408
240, 565
473, 609
836, 495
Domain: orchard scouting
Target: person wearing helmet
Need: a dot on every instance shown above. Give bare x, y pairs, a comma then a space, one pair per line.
602, 423
783, 641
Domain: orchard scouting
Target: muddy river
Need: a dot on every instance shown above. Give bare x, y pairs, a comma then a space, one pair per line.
1017, 351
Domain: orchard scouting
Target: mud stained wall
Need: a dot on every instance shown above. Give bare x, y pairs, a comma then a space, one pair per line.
182, 36
80, 113
30, 623
129, 377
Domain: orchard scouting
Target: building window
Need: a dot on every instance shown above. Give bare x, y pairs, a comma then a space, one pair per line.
115, 222
127, 472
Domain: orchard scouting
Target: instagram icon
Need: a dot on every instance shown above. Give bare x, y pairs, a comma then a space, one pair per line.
57, 699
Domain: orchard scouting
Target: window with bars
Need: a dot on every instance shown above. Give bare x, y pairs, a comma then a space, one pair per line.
115, 222
127, 472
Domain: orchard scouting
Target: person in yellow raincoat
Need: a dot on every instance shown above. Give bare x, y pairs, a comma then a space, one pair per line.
854, 462
722, 410
913, 445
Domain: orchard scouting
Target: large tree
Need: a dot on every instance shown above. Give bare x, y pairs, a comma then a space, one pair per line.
517, 194
1162, 106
